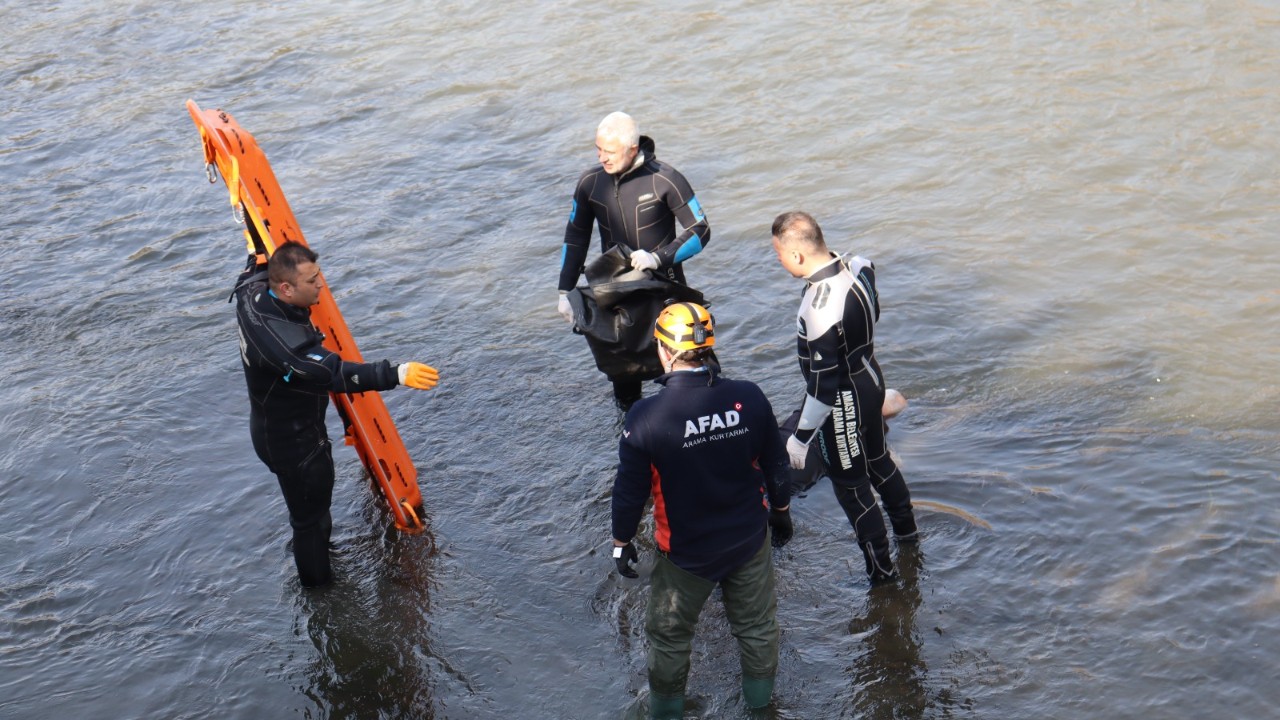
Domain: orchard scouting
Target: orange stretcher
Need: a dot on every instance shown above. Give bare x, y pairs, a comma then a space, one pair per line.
258, 203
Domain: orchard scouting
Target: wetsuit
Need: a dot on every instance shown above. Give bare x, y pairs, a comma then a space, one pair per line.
290, 375
708, 450
638, 210
844, 394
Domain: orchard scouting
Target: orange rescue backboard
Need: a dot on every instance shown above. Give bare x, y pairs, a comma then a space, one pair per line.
258, 203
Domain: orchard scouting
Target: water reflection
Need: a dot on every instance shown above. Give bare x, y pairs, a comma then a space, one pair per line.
370, 631
890, 677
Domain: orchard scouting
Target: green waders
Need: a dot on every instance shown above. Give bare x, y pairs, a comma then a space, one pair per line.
676, 598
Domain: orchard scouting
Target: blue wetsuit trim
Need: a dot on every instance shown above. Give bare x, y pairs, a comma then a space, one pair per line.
691, 247
695, 207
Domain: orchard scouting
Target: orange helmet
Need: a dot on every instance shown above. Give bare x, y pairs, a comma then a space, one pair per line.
685, 326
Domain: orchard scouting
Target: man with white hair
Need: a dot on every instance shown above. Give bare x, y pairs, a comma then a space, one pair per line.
636, 200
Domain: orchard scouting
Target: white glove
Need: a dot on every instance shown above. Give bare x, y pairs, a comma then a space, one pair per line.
798, 452
644, 260
564, 308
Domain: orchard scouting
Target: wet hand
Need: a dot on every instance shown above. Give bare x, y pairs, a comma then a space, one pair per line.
644, 260
623, 557
418, 376
894, 403
797, 450
780, 524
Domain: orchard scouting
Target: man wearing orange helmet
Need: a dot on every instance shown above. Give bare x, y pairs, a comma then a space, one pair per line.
708, 450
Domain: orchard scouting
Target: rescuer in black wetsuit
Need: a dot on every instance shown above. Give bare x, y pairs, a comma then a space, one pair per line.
636, 200
290, 375
709, 452
845, 390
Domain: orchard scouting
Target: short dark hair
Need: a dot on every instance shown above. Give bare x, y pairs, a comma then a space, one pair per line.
284, 262
799, 228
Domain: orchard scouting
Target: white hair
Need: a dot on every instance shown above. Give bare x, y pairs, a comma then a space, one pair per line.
621, 127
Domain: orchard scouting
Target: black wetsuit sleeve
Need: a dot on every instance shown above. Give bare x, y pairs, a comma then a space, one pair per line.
631, 486
577, 234
349, 377
295, 350
682, 202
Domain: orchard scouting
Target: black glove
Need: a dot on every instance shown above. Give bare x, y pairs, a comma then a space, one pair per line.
623, 557
780, 523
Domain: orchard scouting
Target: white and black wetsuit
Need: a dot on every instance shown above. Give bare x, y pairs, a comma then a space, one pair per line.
637, 209
844, 395
290, 374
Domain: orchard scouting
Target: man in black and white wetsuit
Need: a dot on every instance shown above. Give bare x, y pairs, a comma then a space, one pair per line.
845, 390
290, 374
636, 200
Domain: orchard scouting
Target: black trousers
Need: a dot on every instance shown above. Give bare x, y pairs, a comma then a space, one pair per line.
304, 468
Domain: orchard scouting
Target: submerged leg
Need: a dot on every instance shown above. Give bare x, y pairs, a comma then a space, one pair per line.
626, 393
676, 598
751, 605
308, 490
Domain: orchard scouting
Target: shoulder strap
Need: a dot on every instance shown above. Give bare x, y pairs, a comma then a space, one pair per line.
260, 275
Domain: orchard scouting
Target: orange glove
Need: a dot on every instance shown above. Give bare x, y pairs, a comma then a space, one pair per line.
419, 376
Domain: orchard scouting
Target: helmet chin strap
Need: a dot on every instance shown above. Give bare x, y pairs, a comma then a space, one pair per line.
669, 363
